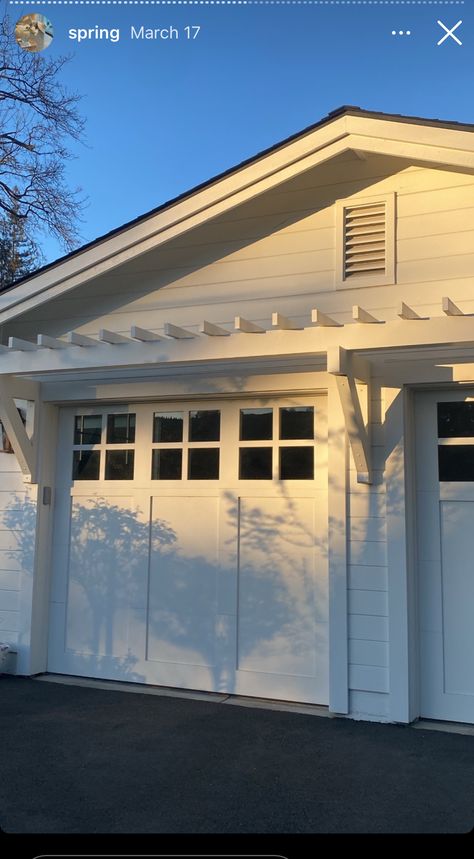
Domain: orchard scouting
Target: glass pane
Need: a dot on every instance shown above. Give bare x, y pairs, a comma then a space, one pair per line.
256, 424
119, 464
456, 462
204, 426
120, 429
86, 465
203, 464
88, 429
296, 463
297, 422
255, 463
168, 426
455, 420
166, 464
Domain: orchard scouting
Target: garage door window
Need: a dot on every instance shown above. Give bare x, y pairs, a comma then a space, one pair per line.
88, 429
93, 446
121, 429
167, 464
456, 442
85, 460
119, 464
86, 465
198, 434
291, 424
168, 426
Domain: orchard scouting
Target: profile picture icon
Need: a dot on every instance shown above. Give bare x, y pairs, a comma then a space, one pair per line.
34, 32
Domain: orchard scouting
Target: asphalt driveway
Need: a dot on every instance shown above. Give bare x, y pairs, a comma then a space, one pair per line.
83, 760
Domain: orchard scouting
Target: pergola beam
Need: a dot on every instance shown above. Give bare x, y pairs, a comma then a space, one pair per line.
47, 342
450, 308
144, 335
177, 333
320, 318
283, 323
391, 337
213, 330
106, 336
407, 312
248, 327
361, 315
19, 345
76, 339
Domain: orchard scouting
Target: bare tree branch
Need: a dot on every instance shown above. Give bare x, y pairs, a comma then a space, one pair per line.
38, 120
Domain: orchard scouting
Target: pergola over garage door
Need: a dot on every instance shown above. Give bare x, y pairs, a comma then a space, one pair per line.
190, 546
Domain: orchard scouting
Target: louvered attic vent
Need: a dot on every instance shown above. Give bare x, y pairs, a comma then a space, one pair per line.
365, 240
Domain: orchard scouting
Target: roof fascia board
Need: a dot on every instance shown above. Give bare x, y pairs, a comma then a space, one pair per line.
429, 135
197, 203
430, 154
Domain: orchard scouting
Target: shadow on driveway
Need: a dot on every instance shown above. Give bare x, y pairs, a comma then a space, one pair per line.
82, 760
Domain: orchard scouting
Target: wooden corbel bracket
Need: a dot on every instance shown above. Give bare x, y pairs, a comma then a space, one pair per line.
347, 368
23, 447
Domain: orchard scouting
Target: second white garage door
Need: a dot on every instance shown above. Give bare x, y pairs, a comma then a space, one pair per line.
190, 546
445, 501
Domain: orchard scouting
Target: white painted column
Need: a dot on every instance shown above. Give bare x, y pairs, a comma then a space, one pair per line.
36, 582
337, 552
400, 511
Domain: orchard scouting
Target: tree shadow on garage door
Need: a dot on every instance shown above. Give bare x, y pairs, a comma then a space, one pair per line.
136, 593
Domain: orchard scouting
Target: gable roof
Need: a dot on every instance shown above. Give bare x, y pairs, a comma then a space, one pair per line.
448, 143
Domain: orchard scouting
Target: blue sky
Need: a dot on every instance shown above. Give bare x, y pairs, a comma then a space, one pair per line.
163, 116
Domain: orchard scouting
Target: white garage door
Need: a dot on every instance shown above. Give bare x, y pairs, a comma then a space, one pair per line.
445, 503
190, 546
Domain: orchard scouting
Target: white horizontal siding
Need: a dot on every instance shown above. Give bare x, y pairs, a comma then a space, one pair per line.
368, 647
280, 247
8, 463
10, 636
370, 554
11, 560
13, 499
365, 678
10, 483
10, 600
9, 620
368, 578
369, 705
15, 539
9, 580
366, 503
368, 627
10, 539
371, 528
368, 653
368, 602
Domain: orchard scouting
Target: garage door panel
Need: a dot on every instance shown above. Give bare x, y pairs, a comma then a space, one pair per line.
458, 595
107, 574
61, 545
183, 580
429, 549
279, 593
181, 637
430, 610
